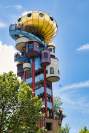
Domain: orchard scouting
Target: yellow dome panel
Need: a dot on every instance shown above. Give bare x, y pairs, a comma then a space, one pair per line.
40, 24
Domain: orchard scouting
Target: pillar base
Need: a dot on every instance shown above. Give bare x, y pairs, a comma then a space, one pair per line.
52, 125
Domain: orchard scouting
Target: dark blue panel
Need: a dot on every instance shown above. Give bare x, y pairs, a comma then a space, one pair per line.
21, 59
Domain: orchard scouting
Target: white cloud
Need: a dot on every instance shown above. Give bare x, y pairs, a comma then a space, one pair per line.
80, 104
7, 58
73, 104
84, 47
2, 24
18, 7
79, 85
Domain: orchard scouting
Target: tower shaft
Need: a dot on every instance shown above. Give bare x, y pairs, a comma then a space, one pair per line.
37, 64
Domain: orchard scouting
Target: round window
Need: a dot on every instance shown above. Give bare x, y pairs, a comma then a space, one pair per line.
29, 14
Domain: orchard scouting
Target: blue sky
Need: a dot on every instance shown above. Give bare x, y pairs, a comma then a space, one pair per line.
72, 49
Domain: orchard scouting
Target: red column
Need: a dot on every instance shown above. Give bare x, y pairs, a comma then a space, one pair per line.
33, 77
24, 75
52, 104
45, 92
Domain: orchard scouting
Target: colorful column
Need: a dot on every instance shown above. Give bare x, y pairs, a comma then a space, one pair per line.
33, 76
45, 91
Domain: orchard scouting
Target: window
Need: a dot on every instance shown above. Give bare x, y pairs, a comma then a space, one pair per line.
19, 19
51, 18
19, 67
51, 70
45, 55
50, 49
47, 71
53, 50
49, 126
29, 14
58, 71
41, 14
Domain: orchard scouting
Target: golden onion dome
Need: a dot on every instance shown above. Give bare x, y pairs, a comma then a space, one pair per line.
39, 24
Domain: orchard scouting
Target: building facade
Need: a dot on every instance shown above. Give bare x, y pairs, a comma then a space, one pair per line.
37, 64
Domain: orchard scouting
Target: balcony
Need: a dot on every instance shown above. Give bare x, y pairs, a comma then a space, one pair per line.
37, 79
20, 58
41, 91
32, 50
45, 57
51, 48
26, 66
53, 73
12, 27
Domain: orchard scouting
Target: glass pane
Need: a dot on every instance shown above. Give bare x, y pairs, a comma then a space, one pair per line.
51, 70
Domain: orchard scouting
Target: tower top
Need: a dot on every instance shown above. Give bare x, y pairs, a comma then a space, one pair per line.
40, 24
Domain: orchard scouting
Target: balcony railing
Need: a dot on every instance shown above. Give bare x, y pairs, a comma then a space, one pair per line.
20, 58
37, 79
32, 50
41, 91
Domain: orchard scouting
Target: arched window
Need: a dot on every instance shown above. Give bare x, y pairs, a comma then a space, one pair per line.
47, 71
53, 50
51, 70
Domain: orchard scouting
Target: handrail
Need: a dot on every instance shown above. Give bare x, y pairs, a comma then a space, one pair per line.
14, 30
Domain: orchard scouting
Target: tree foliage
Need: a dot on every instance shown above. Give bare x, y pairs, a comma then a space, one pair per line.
84, 130
8, 98
65, 129
19, 111
57, 103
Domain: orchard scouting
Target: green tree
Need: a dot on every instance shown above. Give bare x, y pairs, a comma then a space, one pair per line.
8, 98
57, 103
19, 111
65, 129
84, 130
28, 112
58, 112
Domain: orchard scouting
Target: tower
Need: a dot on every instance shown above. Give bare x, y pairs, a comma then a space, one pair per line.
37, 64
